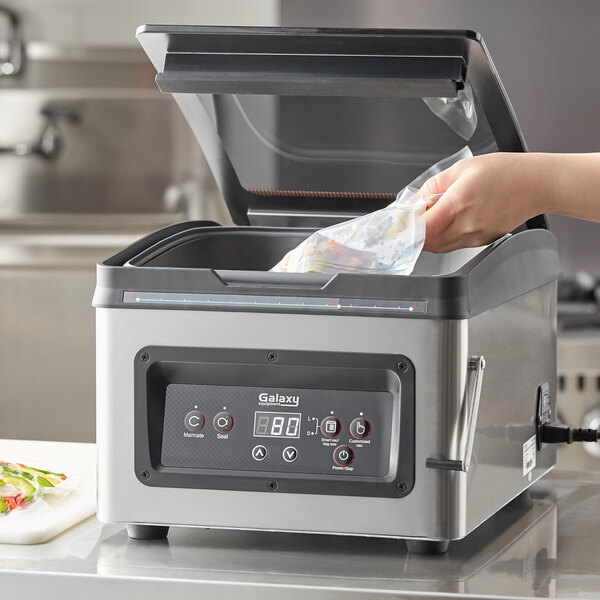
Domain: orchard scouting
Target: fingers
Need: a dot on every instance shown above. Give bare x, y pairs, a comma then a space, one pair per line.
481, 198
440, 211
438, 184
438, 219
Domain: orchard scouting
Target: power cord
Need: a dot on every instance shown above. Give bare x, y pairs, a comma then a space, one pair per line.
562, 434
557, 433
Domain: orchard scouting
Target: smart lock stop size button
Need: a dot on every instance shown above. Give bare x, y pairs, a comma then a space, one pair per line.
330, 427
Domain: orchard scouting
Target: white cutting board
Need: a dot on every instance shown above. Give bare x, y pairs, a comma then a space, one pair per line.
34, 525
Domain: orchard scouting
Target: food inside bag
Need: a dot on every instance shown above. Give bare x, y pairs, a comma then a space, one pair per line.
20, 485
386, 241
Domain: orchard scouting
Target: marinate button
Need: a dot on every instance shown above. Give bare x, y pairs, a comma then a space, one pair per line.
194, 420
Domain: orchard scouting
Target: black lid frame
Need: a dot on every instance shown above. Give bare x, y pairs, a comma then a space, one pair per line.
321, 62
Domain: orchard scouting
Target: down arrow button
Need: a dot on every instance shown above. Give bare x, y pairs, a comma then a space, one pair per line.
290, 454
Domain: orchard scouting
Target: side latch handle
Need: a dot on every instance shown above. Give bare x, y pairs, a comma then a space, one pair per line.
460, 459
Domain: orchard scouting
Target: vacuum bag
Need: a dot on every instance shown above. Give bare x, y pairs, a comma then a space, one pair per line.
458, 113
387, 241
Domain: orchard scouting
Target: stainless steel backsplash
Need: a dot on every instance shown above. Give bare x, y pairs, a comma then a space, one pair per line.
129, 166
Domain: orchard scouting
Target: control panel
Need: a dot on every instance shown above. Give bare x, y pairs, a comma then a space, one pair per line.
328, 432
272, 420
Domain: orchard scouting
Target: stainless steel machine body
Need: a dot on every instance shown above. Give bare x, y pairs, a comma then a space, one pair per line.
232, 397
443, 504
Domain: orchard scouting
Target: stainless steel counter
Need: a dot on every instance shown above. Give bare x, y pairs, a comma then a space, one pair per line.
545, 548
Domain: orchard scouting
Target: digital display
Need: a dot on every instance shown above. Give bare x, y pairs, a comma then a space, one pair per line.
277, 424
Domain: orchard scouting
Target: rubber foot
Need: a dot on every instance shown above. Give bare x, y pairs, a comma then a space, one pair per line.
147, 532
427, 546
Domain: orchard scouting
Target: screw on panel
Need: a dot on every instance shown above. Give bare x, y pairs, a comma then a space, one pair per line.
144, 357
145, 475
402, 367
401, 487
272, 356
272, 485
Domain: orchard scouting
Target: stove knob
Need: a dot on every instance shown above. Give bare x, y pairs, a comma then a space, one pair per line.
343, 456
330, 427
194, 420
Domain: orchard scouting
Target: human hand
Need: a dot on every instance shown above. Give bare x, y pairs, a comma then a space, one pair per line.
483, 198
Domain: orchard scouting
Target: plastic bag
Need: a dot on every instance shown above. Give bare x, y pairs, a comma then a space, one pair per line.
386, 241
458, 113
21, 485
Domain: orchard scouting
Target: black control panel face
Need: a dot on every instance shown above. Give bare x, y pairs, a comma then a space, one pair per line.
271, 420
326, 432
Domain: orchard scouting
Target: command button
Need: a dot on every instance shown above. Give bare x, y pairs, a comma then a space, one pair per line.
194, 420
223, 422
330, 427
343, 456
259, 453
290, 454
360, 428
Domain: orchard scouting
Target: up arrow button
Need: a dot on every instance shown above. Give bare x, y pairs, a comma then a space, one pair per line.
259, 453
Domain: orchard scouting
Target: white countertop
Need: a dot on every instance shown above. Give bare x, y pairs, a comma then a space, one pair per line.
73, 500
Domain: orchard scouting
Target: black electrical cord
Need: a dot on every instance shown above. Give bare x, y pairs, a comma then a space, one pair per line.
562, 434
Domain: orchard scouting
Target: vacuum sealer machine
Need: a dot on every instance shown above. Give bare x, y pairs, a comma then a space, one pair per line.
377, 405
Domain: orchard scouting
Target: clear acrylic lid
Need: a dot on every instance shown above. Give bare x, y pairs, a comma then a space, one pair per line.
307, 127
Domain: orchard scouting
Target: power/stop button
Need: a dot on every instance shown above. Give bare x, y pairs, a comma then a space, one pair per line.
343, 456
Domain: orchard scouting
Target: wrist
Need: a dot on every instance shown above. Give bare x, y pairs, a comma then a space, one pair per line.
546, 181
577, 192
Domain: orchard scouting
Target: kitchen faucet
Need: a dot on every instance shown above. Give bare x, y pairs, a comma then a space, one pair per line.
14, 60
49, 143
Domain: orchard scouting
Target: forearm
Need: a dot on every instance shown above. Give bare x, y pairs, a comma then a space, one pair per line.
569, 184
